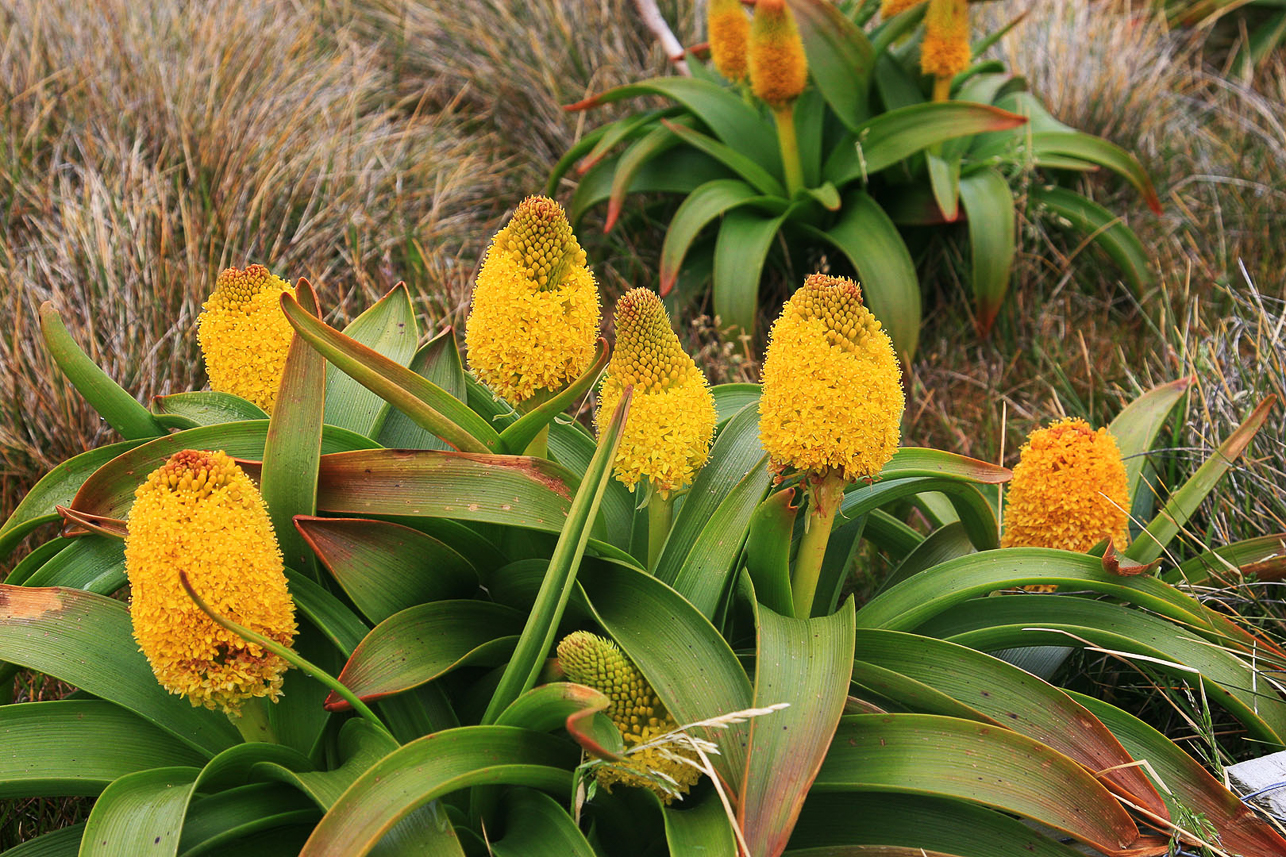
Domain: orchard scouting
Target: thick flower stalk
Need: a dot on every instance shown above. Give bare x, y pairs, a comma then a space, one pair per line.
244, 335
778, 74
1069, 490
534, 321
635, 709
728, 27
831, 406
667, 437
945, 51
199, 513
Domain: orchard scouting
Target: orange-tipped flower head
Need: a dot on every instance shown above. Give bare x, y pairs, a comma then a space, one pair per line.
199, 513
635, 709
889, 8
729, 30
1068, 491
244, 335
778, 67
832, 388
945, 51
672, 416
535, 314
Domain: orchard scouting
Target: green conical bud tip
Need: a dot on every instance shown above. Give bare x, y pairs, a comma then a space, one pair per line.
541, 239
596, 662
648, 353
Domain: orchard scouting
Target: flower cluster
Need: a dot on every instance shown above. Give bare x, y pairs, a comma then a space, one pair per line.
199, 513
729, 31
832, 387
945, 51
1069, 490
635, 709
535, 314
778, 67
672, 416
244, 335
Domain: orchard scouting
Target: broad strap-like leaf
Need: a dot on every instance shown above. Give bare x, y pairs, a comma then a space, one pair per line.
140, 813
704, 204
752, 172
207, 408
840, 58
768, 538
93, 563
989, 207
1137, 425
1096, 150
739, 254
437, 361
641, 154
388, 328
679, 172
536, 825
1107, 229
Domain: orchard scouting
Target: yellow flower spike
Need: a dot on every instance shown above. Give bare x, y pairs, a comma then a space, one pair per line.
244, 335
635, 709
945, 51
200, 513
672, 417
778, 67
728, 27
1069, 490
890, 8
832, 387
534, 320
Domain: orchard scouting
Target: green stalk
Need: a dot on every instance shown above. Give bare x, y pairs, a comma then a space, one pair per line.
823, 502
660, 514
288, 655
941, 88
785, 116
253, 723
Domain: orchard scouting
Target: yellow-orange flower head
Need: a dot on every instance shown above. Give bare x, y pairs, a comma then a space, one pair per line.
672, 416
534, 320
945, 51
244, 335
729, 30
832, 388
889, 8
1068, 491
200, 514
778, 67
635, 709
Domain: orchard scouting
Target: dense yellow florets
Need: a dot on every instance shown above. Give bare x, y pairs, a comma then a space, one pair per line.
635, 709
672, 416
729, 30
889, 8
945, 51
832, 388
1068, 491
534, 320
778, 66
200, 514
244, 335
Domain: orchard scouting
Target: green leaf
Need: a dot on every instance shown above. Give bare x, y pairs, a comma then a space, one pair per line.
64, 842
427, 404
104, 395
576, 152
389, 329
728, 155
361, 745
536, 826
86, 640
771, 528
704, 204
739, 253
897, 134
806, 663
1186, 498
424, 642
516, 437
1096, 150
57, 488
327, 613
840, 58
641, 154
979, 763
208, 408
1108, 231
687, 662
78, 747
560, 578
975, 512
613, 133
256, 820
434, 766
1137, 425
890, 286
729, 399
92, 563
989, 206
572, 446
944, 181
1264, 558
384, 567
701, 829
439, 363
679, 172
141, 813
913, 461
36, 560
944, 543
546, 708
292, 448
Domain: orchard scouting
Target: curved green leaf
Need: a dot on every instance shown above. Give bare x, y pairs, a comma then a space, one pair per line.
576, 152
92, 563
517, 436
771, 528
36, 560
739, 253
754, 174
387, 327
207, 407
729, 399
140, 813
840, 58
989, 206
536, 826
438, 362
642, 153
975, 512
1108, 231
1264, 558
64, 842
702, 829
679, 172
703, 205
912, 461
1096, 150
1138, 424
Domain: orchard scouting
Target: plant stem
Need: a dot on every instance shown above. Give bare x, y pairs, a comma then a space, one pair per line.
824, 498
941, 88
785, 116
660, 512
253, 723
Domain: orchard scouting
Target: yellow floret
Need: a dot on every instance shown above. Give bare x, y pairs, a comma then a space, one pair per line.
729, 30
778, 66
889, 8
244, 335
1068, 491
945, 51
832, 388
672, 416
535, 314
199, 513
635, 709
